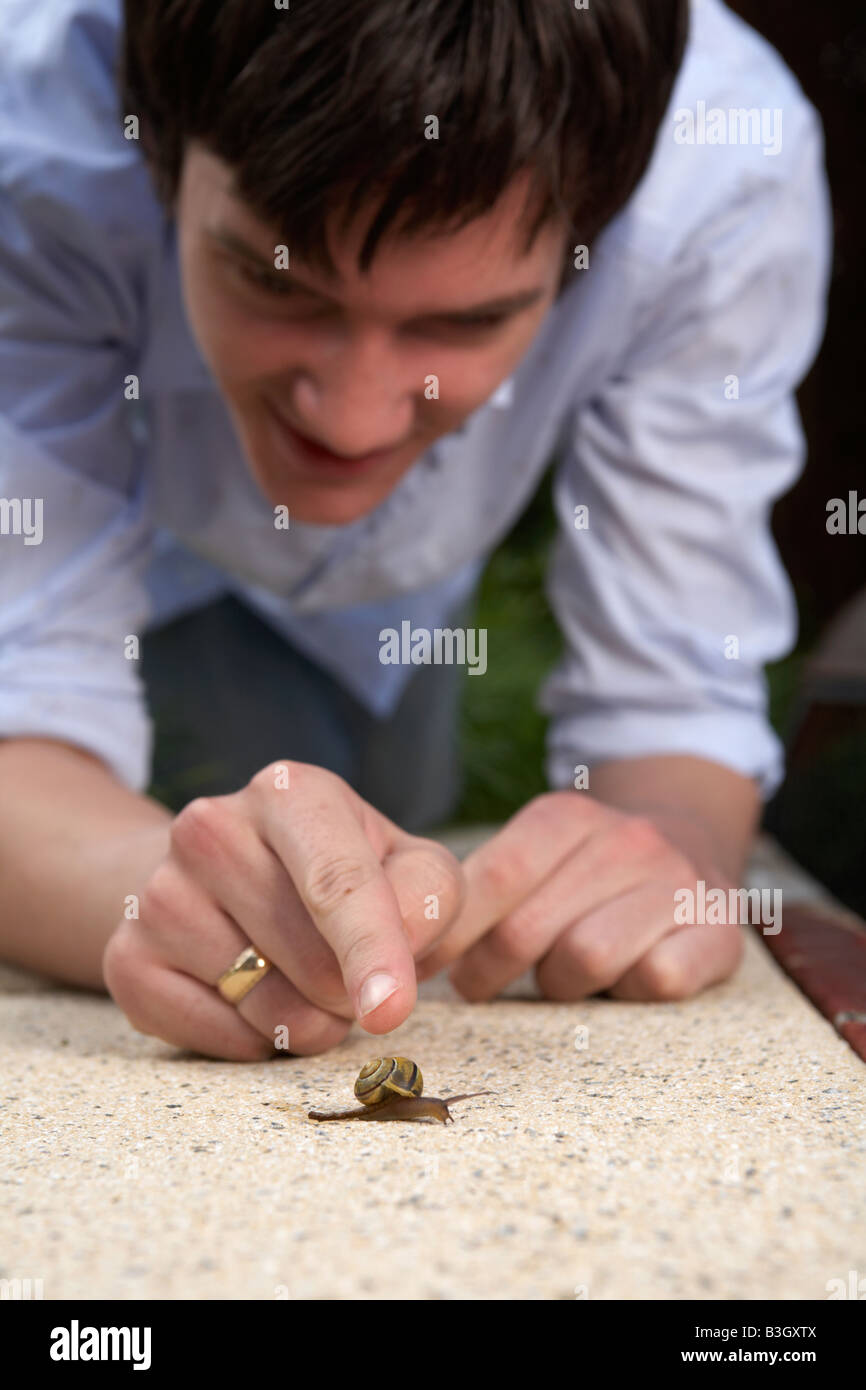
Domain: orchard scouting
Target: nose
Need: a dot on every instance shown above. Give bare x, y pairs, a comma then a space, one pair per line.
356, 402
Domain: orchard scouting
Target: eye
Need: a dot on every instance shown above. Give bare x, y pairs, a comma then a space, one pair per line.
269, 281
483, 323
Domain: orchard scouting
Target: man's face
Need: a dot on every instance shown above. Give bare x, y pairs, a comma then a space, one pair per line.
346, 363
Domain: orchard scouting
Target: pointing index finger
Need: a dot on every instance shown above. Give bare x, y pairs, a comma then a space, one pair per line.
321, 840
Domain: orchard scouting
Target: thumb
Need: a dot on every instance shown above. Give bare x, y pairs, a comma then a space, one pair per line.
429, 886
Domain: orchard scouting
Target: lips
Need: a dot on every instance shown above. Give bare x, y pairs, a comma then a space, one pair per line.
308, 451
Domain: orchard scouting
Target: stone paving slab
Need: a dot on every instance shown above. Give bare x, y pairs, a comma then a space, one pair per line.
711, 1148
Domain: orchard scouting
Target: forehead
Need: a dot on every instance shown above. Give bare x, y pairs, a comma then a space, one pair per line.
475, 258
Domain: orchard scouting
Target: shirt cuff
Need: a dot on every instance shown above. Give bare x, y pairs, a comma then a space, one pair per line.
117, 731
751, 748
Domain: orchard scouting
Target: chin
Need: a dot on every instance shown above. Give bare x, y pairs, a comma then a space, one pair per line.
331, 511
329, 502
324, 506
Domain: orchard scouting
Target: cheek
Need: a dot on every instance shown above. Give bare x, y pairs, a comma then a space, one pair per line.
467, 379
238, 346
249, 352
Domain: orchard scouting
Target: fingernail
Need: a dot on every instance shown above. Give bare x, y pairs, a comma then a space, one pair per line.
374, 992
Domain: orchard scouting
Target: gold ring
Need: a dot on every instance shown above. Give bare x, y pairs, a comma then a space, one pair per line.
236, 982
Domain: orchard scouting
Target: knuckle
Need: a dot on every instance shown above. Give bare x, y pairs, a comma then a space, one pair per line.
514, 937
159, 897
137, 1020
263, 780
541, 807
501, 875
317, 1033
640, 830
113, 958
441, 870
301, 776
551, 807
122, 974
256, 1049
554, 803
439, 857
121, 954
664, 979
199, 823
595, 958
729, 945
543, 812
641, 835
328, 881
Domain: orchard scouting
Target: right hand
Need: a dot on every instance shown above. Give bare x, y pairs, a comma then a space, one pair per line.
329, 890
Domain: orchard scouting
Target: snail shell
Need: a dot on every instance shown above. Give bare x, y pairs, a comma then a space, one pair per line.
384, 1077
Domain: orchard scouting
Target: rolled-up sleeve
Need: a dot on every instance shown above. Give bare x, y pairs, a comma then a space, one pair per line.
69, 602
673, 597
75, 536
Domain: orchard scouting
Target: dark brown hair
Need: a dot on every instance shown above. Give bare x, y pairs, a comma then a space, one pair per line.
322, 106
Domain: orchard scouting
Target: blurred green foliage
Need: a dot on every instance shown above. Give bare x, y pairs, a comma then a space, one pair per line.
501, 731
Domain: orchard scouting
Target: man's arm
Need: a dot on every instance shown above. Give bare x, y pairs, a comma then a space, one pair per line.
76, 834
671, 599
74, 844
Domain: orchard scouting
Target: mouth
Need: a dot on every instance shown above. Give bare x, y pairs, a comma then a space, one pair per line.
313, 455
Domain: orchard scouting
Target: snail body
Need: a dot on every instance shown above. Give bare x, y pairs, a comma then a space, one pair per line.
390, 1088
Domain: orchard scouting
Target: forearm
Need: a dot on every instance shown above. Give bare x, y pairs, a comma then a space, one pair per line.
708, 811
74, 844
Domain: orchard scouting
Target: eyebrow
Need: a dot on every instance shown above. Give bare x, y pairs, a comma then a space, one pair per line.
504, 305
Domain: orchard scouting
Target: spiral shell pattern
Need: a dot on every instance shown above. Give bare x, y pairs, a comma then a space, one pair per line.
386, 1076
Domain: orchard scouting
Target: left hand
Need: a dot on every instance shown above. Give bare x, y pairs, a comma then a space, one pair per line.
585, 893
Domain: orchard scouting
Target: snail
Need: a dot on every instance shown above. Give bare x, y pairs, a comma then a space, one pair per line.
389, 1088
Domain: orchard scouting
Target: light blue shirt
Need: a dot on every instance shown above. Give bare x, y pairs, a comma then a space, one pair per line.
663, 377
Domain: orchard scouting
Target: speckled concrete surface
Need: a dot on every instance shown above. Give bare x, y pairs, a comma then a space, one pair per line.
713, 1148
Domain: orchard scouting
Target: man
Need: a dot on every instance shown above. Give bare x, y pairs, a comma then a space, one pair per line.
303, 314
